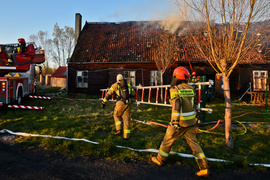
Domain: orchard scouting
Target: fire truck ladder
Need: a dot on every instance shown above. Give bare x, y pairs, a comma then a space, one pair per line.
142, 90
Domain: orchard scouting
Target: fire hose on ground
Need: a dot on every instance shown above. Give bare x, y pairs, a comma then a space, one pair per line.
122, 147
204, 131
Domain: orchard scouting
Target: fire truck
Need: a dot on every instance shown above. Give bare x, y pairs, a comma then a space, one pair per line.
17, 72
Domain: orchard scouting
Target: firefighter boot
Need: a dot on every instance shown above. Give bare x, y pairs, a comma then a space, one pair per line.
156, 161
204, 169
118, 133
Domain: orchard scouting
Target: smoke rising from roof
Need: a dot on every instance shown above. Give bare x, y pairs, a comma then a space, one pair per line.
174, 24
175, 20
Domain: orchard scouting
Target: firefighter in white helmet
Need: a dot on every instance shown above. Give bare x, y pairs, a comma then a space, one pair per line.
183, 122
122, 110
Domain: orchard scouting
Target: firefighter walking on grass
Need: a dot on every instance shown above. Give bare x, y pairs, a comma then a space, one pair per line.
122, 110
183, 122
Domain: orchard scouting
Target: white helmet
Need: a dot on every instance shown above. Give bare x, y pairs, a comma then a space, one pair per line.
119, 77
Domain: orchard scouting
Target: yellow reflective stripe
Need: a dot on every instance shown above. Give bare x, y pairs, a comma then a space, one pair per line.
126, 131
118, 123
105, 100
188, 113
162, 153
112, 89
118, 90
129, 88
199, 156
187, 117
175, 114
173, 94
186, 92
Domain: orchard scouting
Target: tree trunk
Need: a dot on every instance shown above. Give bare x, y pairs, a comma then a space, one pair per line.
161, 89
228, 112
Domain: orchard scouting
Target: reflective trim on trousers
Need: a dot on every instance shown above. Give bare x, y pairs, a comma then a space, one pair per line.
126, 131
118, 123
199, 156
162, 153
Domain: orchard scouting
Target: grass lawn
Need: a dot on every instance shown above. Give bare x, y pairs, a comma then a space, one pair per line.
87, 120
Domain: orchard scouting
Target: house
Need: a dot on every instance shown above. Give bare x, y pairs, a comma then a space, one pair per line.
105, 49
58, 78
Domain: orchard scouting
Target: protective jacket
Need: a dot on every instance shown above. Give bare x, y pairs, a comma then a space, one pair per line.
120, 90
183, 123
122, 110
21, 48
182, 100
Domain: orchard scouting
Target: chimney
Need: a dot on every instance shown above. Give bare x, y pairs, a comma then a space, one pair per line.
78, 26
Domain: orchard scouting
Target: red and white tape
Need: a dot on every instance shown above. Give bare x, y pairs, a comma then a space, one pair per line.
40, 97
25, 107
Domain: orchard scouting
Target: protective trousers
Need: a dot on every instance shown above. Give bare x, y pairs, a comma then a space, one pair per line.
172, 134
122, 111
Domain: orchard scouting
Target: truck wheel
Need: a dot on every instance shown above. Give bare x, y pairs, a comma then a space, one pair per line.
19, 99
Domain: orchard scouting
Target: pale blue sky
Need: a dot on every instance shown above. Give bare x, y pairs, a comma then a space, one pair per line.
23, 18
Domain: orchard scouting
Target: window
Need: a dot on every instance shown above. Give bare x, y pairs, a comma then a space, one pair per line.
82, 79
259, 80
130, 77
155, 78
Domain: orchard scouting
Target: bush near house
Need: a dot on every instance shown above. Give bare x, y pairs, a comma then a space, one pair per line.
85, 119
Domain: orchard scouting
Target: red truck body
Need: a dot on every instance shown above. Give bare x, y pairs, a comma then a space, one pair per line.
18, 79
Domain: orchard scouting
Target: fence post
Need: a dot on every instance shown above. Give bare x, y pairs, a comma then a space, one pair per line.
266, 99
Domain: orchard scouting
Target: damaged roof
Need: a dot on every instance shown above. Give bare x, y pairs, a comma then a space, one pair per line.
134, 41
131, 41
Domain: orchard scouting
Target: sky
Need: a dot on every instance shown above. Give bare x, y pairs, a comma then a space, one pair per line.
20, 19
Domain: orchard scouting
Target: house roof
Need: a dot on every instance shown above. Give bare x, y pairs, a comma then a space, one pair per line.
134, 41
60, 72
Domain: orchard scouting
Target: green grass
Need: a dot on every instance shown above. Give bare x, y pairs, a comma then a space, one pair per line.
87, 120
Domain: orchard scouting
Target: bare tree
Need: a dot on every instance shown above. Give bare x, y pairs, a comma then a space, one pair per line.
57, 44
63, 42
42, 40
69, 38
58, 49
223, 37
166, 50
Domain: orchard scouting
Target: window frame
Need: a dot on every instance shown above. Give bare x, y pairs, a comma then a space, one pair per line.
84, 81
259, 82
156, 79
129, 77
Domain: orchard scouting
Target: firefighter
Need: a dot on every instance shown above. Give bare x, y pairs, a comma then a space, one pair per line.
122, 110
22, 46
183, 122
193, 78
19, 50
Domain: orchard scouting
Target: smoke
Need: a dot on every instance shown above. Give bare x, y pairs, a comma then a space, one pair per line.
174, 19
174, 24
